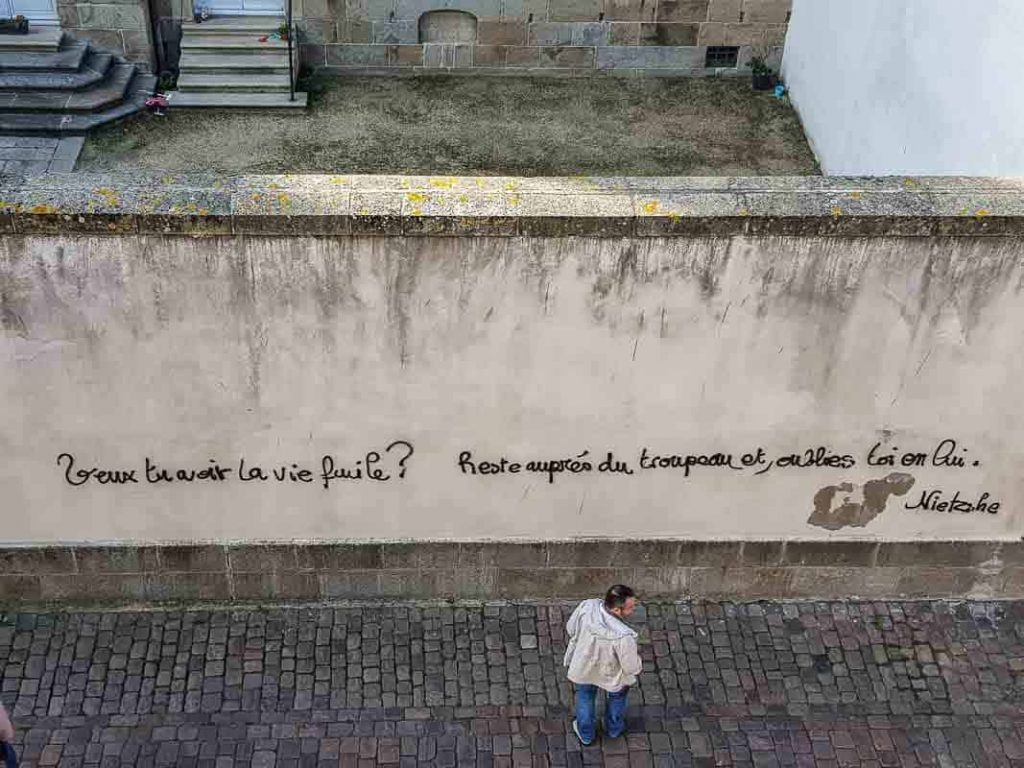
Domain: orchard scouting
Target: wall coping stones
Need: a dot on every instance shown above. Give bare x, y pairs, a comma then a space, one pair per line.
488, 570
320, 204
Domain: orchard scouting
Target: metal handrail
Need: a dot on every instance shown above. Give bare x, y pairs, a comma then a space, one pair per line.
291, 63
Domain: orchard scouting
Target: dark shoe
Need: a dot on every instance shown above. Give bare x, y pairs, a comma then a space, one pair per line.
576, 730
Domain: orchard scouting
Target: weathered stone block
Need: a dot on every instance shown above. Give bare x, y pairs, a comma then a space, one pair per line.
404, 32
550, 33
405, 55
550, 56
111, 17
350, 584
117, 559
337, 557
317, 31
68, 15
725, 10
466, 584
426, 554
357, 55
19, 589
959, 554
481, 9
502, 554
840, 582
489, 55
355, 31
629, 10
776, 11
840, 554
438, 55
555, 582
107, 39
36, 560
501, 32
262, 558
527, 10
187, 586
193, 557
590, 33
928, 581
661, 582
99, 587
573, 10
682, 10
671, 34
624, 33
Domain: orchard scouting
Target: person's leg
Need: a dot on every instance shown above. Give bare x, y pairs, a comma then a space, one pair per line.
615, 713
586, 699
7, 752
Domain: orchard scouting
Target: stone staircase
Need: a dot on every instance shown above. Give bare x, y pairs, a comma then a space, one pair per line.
52, 85
226, 63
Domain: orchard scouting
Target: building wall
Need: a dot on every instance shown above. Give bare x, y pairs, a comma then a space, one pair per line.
912, 87
119, 27
620, 36
458, 387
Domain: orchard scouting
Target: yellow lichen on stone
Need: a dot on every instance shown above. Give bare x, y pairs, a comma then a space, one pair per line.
837, 211
463, 199
651, 208
416, 212
417, 198
744, 211
982, 213
42, 208
909, 183
109, 196
514, 199
447, 183
855, 195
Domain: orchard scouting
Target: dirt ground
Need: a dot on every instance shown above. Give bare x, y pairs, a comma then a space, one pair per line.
479, 126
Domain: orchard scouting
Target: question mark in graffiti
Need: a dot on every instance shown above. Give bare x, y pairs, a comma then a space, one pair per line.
401, 461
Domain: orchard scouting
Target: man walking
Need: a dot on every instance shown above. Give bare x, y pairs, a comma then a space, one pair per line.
602, 654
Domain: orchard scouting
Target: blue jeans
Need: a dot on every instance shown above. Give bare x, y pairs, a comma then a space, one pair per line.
586, 712
7, 753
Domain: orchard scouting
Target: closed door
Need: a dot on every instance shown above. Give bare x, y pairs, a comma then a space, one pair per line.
242, 7
40, 12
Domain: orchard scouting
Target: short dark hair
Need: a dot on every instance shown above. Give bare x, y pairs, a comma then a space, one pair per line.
617, 596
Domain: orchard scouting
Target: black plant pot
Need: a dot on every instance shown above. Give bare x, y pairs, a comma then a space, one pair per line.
14, 27
763, 82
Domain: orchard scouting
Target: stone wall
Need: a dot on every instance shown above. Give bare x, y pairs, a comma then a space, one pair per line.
328, 386
119, 27
542, 36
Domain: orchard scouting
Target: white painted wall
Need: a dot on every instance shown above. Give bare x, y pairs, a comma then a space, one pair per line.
917, 87
283, 350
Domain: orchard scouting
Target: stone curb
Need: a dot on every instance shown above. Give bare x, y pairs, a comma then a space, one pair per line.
322, 205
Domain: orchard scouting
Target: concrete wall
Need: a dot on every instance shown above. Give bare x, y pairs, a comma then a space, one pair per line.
914, 87
119, 27
363, 388
541, 36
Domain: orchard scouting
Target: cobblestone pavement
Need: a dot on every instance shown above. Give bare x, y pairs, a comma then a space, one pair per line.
766, 684
39, 154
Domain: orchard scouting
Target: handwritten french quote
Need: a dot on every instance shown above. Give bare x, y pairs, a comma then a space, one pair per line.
391, 463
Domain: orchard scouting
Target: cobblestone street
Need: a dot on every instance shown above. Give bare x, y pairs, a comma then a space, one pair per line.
765, 684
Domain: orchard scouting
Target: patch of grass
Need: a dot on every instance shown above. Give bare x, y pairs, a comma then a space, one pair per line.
478, 125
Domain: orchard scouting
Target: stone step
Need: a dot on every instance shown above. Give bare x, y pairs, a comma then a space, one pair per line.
68, 59
250, 83
235, 100
46, 39
237, 44
75, 124
94, 68
271, 62
101, 96
238, 25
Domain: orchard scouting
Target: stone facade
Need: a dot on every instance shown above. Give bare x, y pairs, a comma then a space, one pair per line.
542, 36
511, 570
122, 28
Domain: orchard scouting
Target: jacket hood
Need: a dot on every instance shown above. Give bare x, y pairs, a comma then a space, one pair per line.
598, 621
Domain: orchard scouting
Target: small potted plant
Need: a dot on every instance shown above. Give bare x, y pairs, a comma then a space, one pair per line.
763, 75
16, 26
282, 31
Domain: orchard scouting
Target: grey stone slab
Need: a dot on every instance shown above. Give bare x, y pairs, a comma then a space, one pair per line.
405, 32
650, 57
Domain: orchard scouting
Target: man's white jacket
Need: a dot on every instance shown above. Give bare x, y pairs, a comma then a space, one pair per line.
602, 649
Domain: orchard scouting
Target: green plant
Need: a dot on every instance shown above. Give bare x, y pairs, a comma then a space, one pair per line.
283, 30
759, 67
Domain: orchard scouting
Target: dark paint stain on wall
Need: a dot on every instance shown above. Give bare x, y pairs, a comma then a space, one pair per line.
835, 506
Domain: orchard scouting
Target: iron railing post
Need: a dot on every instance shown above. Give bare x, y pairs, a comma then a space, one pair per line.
291, 64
